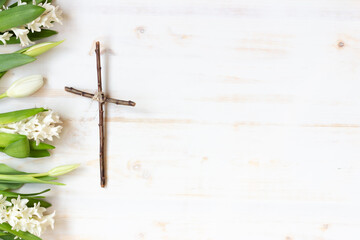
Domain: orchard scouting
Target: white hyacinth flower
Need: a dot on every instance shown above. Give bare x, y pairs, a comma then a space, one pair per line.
5, 37
22, 34
42, 126
24, 87
19, 2
51, 15
24, 218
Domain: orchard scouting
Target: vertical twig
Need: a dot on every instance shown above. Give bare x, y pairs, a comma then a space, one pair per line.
101, 98
101, 117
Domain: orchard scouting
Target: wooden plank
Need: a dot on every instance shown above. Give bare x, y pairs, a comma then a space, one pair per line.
246, 127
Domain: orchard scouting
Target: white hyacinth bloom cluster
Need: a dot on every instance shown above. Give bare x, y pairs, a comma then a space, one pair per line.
42, 126
52, 14
24, 218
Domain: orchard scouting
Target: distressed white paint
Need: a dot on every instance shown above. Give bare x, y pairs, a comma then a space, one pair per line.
247, 124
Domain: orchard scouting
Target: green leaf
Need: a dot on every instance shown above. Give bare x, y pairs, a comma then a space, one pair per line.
39, 153
18, 16
19, 115
2, 74
33, 36
13, 179
10, 186
33, 201
3, 234
18, 149
47, 178
23, 235
2, 3
14, 194
8, 237
13, 60
5, 169
45, 33
32, 52
33, 198
7, 138
43, 203
25, 179
40, 146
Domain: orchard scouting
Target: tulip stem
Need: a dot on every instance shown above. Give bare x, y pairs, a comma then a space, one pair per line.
4, 95
38, 174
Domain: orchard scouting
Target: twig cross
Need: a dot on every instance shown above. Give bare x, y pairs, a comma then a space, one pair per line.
102, 99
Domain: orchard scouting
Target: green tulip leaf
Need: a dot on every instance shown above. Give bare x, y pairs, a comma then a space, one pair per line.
47, 178
18, 149
33, 201
43, 203
18, 60
24, 179
13, 194
3, 234
8, 236
12, 60
40, 146
12, 179
39, 153
5, 169
33, 198
10, 186
7, 138
2, 3
23, 235
18, 16
2, 74
19, 115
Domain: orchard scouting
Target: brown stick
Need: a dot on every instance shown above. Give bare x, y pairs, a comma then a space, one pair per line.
101, 118
101, 99
107, 99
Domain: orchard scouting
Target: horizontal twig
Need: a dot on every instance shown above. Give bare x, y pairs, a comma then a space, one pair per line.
107, 99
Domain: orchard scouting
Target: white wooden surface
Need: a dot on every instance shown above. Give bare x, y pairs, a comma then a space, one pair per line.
247, 124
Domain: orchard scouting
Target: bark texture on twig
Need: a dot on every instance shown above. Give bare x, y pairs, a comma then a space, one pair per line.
101, 118
107, 99
102, 99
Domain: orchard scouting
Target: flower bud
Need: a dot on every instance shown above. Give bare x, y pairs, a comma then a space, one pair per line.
25, 86
61, 170
40, 48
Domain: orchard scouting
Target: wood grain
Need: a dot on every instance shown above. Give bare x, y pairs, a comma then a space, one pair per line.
246, 125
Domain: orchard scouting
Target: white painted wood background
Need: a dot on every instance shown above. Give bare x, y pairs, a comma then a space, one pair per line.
247, 124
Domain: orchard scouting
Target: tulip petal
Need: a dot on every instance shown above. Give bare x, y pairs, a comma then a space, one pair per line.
25, 86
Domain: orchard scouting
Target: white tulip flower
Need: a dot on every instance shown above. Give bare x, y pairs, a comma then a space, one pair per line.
24, 87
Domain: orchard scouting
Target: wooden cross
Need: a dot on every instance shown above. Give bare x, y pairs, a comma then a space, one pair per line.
102, 99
